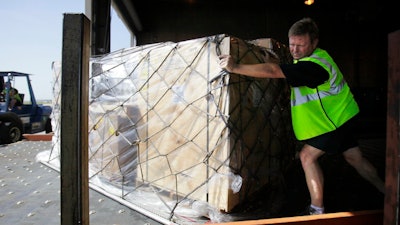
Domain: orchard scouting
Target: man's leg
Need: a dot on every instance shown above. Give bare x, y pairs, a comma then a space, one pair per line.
11, 104
313, 174
354, 157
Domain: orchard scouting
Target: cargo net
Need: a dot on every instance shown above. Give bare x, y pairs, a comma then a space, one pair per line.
172, 133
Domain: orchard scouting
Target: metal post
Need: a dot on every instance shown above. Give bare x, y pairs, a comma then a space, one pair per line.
74, 120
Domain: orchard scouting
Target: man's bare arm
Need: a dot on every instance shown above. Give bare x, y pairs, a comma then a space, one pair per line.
261, 70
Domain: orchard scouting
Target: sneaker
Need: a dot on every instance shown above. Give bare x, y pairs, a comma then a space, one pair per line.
313, 211
310, 211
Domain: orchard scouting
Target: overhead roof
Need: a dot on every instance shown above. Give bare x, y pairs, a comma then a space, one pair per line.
140, 16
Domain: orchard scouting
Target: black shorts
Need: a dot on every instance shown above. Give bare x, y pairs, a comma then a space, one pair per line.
336, 141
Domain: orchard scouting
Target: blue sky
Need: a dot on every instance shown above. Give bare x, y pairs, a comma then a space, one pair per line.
31, 38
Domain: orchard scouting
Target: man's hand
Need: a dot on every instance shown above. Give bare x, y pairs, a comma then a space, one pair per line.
226, 63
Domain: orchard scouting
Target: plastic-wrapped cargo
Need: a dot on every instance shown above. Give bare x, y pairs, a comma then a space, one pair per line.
173, 133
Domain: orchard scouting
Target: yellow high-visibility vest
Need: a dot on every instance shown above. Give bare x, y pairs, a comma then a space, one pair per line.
319, 110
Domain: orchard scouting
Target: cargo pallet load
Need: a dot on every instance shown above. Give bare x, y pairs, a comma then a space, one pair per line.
172, 133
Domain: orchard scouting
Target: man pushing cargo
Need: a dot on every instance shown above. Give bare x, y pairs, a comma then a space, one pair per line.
323, 108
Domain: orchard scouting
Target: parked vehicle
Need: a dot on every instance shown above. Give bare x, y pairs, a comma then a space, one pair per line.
26, 116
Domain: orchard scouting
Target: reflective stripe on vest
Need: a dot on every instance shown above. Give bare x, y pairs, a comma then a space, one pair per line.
334, 88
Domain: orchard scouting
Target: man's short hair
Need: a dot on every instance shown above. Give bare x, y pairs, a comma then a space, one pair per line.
305, 26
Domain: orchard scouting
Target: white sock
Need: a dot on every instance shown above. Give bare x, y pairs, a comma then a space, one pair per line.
318, 209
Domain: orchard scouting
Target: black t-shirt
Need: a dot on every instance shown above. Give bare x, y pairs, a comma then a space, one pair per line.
305, 73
